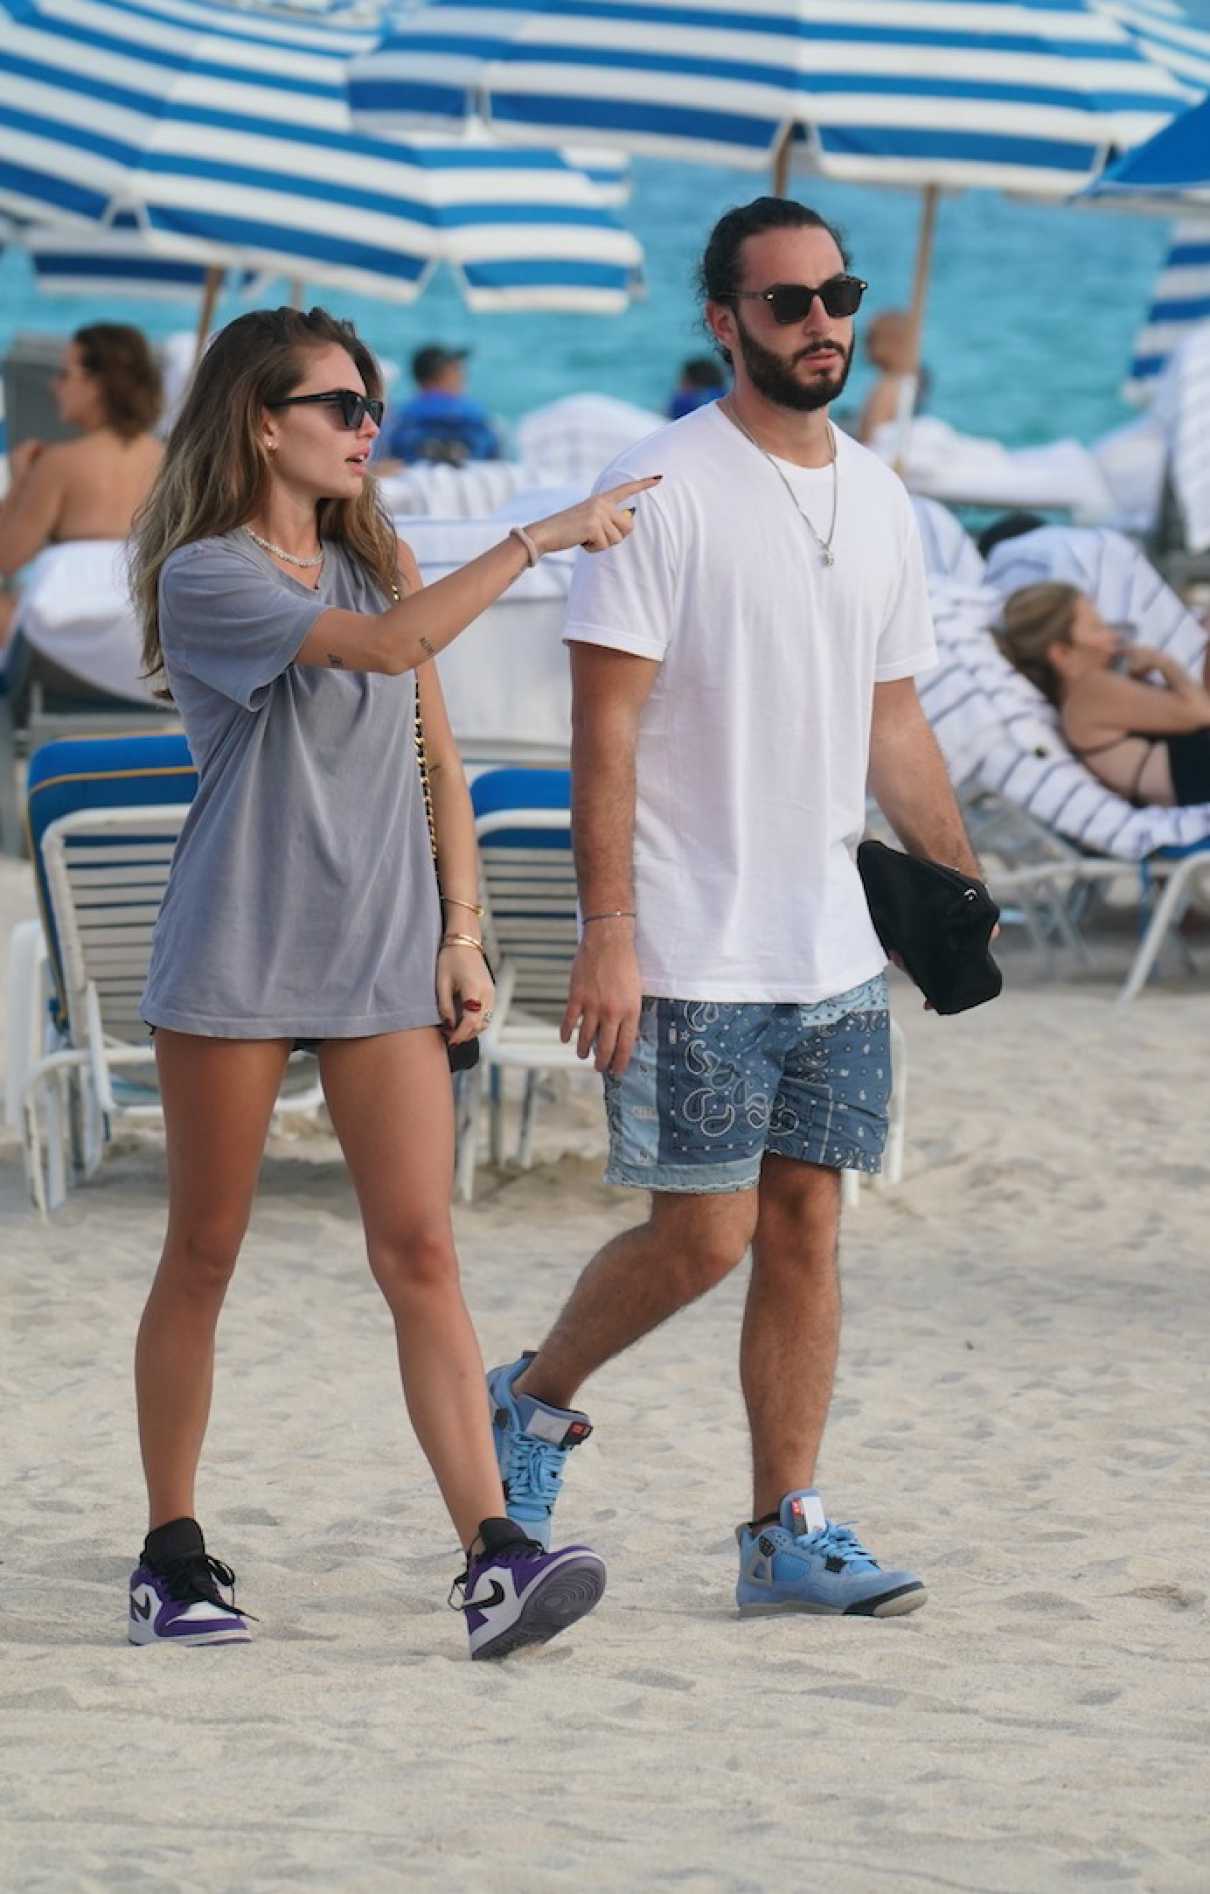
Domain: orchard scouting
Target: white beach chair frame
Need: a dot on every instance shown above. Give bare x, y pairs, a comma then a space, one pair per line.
531, 964
64, 1087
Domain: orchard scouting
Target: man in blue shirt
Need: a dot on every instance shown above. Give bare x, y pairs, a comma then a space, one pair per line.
703, 379
441, 422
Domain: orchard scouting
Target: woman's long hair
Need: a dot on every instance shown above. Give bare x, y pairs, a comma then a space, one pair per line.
127, 375
216, 470
1033, 619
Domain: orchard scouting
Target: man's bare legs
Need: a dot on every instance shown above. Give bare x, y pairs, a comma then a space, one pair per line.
791, 1321
637, 1281
791, 1333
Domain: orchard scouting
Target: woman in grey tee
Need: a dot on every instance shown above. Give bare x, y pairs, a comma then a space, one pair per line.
302, 906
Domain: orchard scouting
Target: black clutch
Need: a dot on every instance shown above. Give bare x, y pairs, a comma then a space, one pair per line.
937, 922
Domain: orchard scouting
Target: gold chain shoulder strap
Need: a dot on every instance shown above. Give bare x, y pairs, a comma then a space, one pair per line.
422, 759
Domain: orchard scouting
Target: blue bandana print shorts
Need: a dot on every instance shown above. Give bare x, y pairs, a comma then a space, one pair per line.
713, 1085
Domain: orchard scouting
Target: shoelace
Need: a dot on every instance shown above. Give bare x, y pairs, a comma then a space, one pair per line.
516, 1549
534, 1466
196, 1579
837, 1540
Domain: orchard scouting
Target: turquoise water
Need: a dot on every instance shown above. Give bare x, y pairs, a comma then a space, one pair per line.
1031, 315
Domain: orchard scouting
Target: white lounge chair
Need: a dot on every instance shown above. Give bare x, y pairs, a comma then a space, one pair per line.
1001, 739
528, 879
80, 1058
73, 664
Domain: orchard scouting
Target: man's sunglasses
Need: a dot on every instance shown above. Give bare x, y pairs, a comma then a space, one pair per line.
353, 407
791, 302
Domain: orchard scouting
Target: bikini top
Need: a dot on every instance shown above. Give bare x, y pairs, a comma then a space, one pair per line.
1188, 762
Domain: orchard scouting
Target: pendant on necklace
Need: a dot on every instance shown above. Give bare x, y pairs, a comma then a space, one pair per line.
829, 557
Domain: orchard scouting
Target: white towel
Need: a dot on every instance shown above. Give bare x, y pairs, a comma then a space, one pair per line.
1182, 407
75, 607
573, 440
971, 470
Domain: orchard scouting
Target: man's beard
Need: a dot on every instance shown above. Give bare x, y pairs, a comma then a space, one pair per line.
773, 377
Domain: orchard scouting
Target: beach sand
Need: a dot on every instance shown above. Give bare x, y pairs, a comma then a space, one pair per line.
1021, 1414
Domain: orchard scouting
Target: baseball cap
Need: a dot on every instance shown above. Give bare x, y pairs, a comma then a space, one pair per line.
432, 358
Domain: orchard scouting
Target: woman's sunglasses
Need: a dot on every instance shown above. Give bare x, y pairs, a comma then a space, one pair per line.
353, 407
791, 302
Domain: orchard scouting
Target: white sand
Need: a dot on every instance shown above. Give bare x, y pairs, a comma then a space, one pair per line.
1022, 1414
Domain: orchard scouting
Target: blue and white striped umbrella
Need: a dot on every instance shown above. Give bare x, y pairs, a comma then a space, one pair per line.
1164, 32
1181, 302
1019, 94
73, 260
227, 134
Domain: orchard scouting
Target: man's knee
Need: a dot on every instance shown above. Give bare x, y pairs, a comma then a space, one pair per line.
799, 1213
703, 1238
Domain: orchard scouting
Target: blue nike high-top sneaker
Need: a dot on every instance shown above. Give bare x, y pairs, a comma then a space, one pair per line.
805, 1562
533, 1441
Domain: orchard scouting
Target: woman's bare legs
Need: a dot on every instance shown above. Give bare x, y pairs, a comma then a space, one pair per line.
392, 1107
218, 1099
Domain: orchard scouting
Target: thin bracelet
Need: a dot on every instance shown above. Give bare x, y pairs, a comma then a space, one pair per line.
615, 914
461, 940
531, 551
471, 906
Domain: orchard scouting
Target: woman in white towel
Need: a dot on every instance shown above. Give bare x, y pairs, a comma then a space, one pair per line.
1132, 714
108, 386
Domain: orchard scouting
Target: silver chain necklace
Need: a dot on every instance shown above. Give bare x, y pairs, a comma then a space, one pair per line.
825, 545
291, 558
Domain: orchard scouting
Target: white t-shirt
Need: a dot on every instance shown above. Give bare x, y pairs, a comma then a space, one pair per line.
754, 743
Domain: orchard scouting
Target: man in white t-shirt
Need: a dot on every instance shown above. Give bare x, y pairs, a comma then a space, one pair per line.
742, 667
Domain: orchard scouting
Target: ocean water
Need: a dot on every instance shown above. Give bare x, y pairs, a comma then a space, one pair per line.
1031, 315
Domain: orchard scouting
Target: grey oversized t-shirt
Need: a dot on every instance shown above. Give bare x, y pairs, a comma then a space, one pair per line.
302, 900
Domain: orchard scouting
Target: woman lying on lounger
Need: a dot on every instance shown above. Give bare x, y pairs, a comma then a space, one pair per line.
108, 386
1147, 740
292, 630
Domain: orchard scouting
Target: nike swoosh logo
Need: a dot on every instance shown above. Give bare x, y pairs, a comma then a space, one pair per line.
143, 1610
488, 1604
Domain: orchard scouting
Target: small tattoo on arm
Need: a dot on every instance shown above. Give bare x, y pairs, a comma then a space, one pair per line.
336, 661
427, 648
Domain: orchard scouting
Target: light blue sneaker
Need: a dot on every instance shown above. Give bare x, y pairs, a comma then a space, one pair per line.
805, 1563
533, 1441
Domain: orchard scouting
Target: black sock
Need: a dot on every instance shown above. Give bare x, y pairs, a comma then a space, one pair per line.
176, 1540
766, 1519
495, 1534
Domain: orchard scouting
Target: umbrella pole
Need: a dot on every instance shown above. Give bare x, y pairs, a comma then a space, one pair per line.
297, 291
214, 282
920, 285
781, 161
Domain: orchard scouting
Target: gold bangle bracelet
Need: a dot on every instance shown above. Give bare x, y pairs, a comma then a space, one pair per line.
461, 940
472, 907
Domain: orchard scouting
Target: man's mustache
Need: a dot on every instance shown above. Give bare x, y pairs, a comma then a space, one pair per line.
820, 348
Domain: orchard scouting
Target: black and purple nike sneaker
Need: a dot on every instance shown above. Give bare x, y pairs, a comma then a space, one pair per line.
515, 1592
174, 1592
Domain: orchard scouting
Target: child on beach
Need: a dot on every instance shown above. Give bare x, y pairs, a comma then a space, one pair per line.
302, 909
1149, 742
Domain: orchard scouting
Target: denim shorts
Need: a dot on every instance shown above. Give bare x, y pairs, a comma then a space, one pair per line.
713, 1085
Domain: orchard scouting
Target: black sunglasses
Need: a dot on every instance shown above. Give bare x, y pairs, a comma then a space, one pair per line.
353, 407
791, 302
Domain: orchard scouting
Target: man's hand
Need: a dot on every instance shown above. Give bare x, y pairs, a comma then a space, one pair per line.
605, 997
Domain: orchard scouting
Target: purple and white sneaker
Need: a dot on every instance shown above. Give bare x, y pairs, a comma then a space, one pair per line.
174, 1592
515, 1592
